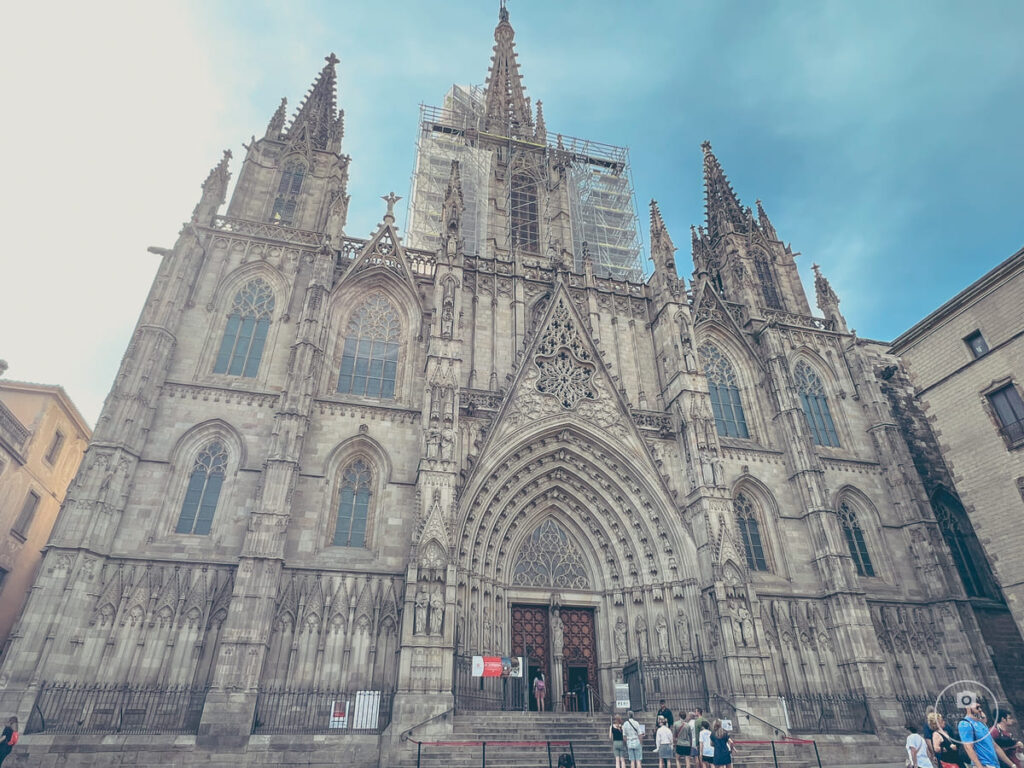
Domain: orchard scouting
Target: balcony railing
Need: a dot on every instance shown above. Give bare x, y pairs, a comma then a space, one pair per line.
1014, 432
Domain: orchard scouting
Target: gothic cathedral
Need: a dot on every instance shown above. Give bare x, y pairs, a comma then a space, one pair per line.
343, 467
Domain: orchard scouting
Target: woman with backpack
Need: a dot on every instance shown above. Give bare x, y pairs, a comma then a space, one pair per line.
8, 738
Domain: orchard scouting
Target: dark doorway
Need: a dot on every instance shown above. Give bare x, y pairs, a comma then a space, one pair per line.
579, 679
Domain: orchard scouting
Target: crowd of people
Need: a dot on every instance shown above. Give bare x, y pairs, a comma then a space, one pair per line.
692, 741
971, 743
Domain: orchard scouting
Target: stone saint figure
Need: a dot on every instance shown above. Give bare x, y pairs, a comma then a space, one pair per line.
420, 625
556, 635
620, 637
661, 628
683, 632
746, 626
436, 612
641, 634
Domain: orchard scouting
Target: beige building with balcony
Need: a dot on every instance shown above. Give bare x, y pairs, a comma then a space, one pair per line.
966, 365
42, 439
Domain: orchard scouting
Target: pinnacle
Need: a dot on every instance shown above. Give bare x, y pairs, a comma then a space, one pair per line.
506, 107
722, 206
317, 112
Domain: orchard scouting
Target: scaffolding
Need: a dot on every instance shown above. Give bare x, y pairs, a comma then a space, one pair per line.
602, 207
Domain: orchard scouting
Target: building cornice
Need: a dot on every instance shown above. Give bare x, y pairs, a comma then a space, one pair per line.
57, 392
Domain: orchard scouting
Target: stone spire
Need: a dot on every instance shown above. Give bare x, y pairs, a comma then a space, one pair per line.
506, 108
764, 223
723, 211
276, 124
540, 133
828, 301
662, 249
451, 213
317, 117
215, 190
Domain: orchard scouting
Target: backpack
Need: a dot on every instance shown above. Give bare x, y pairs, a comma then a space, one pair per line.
13, 740
565, 761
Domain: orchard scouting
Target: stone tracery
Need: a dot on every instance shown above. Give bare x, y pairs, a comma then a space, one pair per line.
548, 558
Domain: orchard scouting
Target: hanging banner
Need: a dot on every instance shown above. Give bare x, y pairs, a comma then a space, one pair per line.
497, 666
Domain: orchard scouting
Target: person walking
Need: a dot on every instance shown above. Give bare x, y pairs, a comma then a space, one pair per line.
683, 732
982, 751
634, 747
663, 742
947, 752
707, 749
917, 749
1002, 734
721, 743
8, 738
618, 741
538, 690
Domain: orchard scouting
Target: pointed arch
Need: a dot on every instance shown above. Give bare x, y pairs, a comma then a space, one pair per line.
289, 187
524, 212
814, 401
723, 384
962, 540
356, 474
755, 512
550, 558
765, 271
861, 527
245, 333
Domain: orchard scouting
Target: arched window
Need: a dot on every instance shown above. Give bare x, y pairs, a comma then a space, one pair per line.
960, 537
725, 395
353, 505
246, 332
525, 232
288, 190
750, 532
204, 486
766, 279
855, 540
815, 405
369, 362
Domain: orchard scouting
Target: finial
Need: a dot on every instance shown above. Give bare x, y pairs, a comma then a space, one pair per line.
332, 59
502, 11
706, 146
817, 271
390, 198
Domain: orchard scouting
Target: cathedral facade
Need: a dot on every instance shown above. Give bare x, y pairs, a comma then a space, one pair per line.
341, 466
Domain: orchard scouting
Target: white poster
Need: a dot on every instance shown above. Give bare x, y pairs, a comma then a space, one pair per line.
367, 710
621, 696
478, 666
339, 714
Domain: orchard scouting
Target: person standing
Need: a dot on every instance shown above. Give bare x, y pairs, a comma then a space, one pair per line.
8, 738
981, 750
917, 749
538, 691
634, 747
683, 732
663, 743
618, 741
947, 752
1002, 734
664, 711
707, 749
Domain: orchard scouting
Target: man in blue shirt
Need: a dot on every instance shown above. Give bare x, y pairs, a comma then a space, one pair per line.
977, 741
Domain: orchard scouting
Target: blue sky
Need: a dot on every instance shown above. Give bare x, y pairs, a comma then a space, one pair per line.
884, 138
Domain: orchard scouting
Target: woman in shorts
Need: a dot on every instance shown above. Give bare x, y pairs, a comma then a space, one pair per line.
707, 749
618, 742
682, 729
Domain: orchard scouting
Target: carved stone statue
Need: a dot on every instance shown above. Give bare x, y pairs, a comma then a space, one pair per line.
485, 641
640, 627
620, 637
447, 444
683, 632
557, 632
661, 628
746, 626
420, 624
436, 612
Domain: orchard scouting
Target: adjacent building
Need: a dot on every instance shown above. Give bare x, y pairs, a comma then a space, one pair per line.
42, 439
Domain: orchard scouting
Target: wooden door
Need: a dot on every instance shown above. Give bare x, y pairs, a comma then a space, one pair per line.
530, 626
579, 648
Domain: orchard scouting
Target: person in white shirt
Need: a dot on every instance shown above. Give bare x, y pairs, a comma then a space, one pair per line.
663, 740
707, 749
917, 750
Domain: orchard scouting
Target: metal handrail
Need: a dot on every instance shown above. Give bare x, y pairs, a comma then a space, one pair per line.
773, 726
404, 736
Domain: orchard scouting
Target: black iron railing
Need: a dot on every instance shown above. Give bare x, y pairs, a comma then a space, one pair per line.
682, 684
116, 708
828, 713
482, 694
314, 711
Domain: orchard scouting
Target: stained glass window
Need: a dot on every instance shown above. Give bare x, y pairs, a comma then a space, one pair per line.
288, 190
959, 538
241, 349
855, 540
549, 558
766, 278
815, 405
369, 363
203, 490
725, 394
525, 234
353, 505
750, 532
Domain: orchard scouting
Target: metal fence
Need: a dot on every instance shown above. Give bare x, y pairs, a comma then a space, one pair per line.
682, 684
482, 694
116, 708
828, 713
314, 711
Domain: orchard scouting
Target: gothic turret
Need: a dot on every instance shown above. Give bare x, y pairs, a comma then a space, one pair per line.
828, 301
506, 108
540, 133
316, 120
276, 124
723, 212
663, 253
215, 190
451, 215
764, 223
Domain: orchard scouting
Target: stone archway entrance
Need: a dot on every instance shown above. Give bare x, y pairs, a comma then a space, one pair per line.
561, 643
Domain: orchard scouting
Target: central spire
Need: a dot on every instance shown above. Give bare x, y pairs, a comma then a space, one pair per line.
316, 116
723, 208
507, 110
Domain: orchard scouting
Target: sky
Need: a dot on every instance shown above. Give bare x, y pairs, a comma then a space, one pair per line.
884, 138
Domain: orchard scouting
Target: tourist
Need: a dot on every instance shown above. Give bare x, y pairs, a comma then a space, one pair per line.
683, 732
702, 722
8, 738
917, 749
721, 743
947, 752
1002, 734
538, 691
663, 743
664, 711
633, 732
618, 741
981, 750
707, 748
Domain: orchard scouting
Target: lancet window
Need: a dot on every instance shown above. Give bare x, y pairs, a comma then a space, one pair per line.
855, 540
369, 363
525, 214
730, 421
766, 279
815, 405
288, 190
959, 537
204, 486
353, 505
241, 348
549, 558
750, 532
